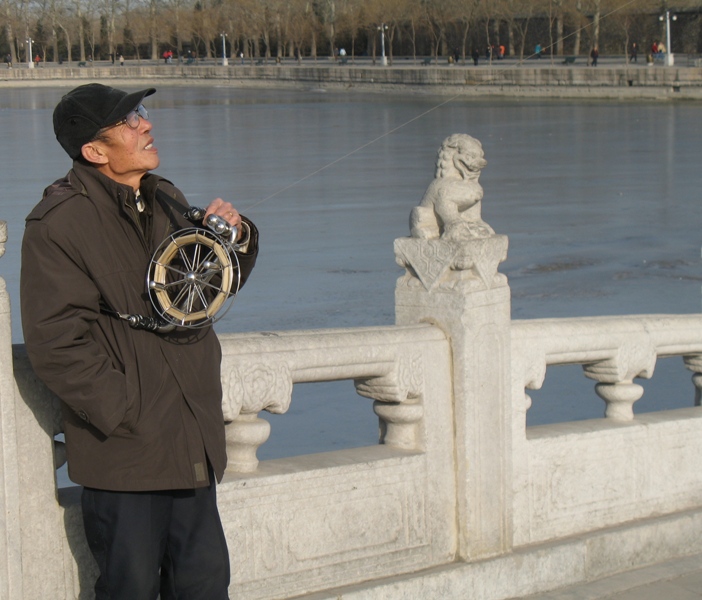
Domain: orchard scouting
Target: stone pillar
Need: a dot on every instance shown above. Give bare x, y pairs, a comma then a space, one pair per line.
32, 529
451, 280
10, 536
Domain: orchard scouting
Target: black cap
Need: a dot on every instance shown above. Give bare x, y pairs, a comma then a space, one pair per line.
87, 109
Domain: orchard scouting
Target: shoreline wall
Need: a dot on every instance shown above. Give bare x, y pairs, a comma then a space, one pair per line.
551, 80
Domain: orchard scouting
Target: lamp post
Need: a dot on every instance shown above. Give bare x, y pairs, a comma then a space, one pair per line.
383, 59
669, 59
225, 61
30, 62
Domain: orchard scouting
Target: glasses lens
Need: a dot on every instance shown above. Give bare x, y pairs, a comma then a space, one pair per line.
132, 119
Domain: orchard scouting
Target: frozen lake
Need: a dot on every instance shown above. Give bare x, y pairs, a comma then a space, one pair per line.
599, 200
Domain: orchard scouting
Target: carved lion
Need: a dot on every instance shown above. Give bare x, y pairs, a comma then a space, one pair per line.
450, 208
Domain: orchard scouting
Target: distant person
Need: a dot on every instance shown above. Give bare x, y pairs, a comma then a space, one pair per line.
501, 52
456, 55
8, 60
475, 55
121, 60
654, 48
538, 50
594, 55
661, 49
634, 52
37, 60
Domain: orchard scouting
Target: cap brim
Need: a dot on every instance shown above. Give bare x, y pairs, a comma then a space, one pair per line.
127, 105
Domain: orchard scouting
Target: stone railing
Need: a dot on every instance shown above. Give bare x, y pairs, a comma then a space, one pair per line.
576, 477
459, 498
612, 350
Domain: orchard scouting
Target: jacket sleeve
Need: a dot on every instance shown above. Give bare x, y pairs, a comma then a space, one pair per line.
60, 305
247, 257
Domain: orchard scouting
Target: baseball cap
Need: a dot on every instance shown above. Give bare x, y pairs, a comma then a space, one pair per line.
87, 109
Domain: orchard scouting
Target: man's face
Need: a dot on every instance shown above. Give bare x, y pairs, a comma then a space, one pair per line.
129, 152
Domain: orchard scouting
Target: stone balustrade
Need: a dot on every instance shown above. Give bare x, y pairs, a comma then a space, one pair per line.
612, 351
459, 499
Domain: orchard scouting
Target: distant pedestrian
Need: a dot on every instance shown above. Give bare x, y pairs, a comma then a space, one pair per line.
37, 60
634, 52
475, 55
538, 50
8, 60
594, 55
121, 60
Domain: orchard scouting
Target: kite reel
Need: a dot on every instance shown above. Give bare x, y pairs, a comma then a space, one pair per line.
194, 274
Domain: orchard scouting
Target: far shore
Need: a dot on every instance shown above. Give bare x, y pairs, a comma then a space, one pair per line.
613, 78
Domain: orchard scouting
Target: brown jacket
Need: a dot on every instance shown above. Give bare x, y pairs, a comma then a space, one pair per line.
141, 410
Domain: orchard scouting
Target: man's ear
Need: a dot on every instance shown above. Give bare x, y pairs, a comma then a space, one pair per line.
94, 153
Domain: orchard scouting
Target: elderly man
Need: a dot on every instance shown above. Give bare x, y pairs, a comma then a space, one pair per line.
141, 408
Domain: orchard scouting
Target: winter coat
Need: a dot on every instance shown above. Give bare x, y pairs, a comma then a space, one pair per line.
141, 410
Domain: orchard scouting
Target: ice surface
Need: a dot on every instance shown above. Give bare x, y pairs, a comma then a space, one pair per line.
599, 200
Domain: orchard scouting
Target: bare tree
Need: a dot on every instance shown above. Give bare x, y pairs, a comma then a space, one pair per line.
112, 9
466, 16
205, 25
299, 25
439, 15
174, 15
518, 14
327, 14
413, 17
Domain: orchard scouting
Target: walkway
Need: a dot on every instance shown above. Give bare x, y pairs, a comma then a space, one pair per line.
679, 579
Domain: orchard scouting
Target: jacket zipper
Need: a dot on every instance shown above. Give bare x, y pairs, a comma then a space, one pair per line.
134, 217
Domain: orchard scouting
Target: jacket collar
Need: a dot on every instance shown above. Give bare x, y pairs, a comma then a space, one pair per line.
94, 184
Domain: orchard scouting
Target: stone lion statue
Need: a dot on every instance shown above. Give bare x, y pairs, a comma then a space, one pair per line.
450, 208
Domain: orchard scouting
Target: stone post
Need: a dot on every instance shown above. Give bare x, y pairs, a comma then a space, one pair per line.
32, 528
10, 538
451, 280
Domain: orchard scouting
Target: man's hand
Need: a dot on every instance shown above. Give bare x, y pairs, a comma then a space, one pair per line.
225, 210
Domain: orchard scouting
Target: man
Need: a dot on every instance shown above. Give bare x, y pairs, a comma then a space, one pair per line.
594, 55
141, 410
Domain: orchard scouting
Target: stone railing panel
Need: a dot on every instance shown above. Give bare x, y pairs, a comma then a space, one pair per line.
571, 478
318, 521
612, 351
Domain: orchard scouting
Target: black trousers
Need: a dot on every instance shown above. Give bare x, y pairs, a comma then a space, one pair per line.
149, 543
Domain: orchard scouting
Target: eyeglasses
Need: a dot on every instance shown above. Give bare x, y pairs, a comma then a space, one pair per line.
132, 119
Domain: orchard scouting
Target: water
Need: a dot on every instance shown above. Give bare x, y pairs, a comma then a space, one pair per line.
599, 200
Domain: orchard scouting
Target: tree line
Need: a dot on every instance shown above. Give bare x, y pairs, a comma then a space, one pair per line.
70, 30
